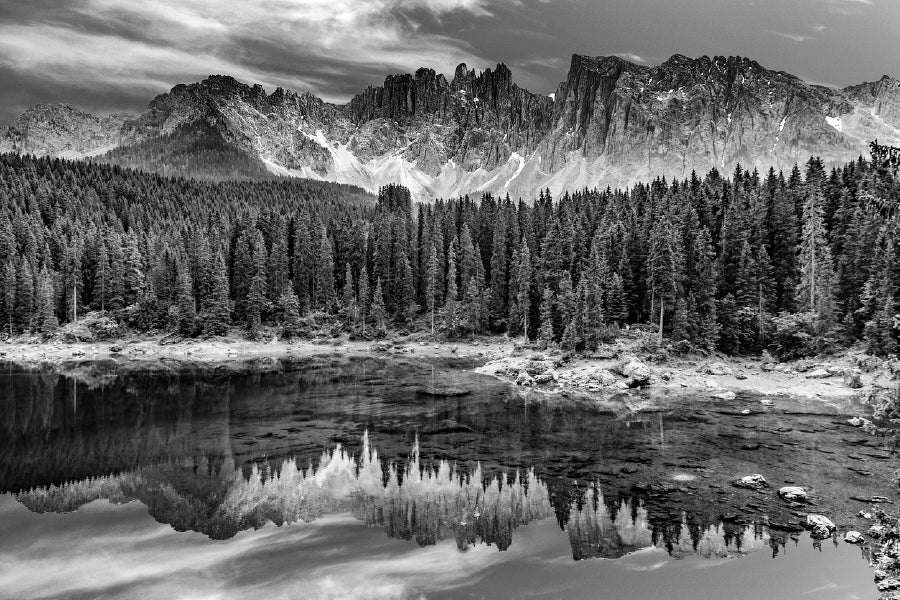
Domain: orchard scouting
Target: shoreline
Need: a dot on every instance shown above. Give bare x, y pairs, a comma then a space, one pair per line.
506, 359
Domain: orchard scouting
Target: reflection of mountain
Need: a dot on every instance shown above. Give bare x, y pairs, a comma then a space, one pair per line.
424, 502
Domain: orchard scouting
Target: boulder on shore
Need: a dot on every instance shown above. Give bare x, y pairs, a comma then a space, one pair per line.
718, 368
818, 374
635, 372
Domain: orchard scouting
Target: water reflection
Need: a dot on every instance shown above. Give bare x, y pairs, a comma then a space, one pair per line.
425, 454
422, 502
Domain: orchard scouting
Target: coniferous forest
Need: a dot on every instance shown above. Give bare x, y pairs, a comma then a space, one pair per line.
796, 263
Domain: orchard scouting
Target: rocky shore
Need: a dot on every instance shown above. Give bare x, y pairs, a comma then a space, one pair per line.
617, 368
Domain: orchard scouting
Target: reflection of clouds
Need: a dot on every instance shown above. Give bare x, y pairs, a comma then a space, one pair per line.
82, 556
115, 551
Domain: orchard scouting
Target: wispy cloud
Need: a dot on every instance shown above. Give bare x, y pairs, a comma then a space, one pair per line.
300, 44
794, 37
630, 56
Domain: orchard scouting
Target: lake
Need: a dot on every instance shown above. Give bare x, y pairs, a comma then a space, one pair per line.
392, 478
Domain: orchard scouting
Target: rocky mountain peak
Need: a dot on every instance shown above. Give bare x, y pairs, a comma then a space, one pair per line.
610, 122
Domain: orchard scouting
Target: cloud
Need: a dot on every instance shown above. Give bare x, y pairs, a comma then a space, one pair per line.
630, 56
796, 38
300, 44
848, 7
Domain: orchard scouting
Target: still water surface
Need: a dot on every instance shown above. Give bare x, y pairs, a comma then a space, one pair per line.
378, 478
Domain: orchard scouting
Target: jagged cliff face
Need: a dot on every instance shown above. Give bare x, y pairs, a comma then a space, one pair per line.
622, 122
611, 122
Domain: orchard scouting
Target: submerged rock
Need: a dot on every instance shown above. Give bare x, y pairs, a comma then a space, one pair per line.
820, 526
793, 493
863, 423
751, 482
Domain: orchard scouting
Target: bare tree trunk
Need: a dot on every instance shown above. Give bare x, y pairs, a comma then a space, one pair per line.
661, 303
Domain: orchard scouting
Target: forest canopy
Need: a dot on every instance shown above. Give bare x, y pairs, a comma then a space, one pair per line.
795, 262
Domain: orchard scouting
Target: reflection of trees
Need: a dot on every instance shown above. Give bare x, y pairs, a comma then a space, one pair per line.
55, 428
614, 528
425, 502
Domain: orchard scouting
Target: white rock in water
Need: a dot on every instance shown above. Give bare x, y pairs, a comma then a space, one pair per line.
854, 537
767, 402
792, 493
724, 396
746, 411
753, 482
820, 526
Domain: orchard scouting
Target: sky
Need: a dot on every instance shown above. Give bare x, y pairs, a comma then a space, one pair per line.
116, 55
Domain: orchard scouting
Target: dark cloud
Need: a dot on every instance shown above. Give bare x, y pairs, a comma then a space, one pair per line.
116, 55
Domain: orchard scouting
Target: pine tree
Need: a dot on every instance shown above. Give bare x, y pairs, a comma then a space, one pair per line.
364, 297
289, 307
701, 305
523, 285
256, 298
102, 278
499, 274
9, 293
662, 267
451, 304
431, 284
24, 295
187, 316
348, 295
45, 310
617, 310
473, 305
545, 334
815, 290
324, 274
215, 315
379, 312
133, 272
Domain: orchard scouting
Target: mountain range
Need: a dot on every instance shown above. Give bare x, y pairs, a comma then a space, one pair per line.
611, 122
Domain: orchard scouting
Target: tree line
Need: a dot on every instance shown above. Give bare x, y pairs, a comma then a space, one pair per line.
795, 262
